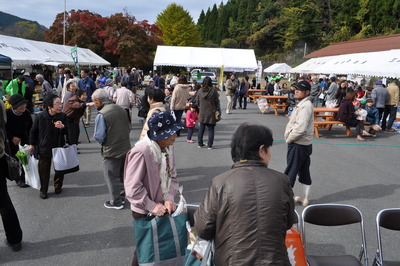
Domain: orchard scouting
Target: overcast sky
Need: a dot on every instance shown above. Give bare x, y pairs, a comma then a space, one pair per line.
45, 11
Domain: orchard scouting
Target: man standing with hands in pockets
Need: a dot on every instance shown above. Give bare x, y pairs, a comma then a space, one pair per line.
298, 135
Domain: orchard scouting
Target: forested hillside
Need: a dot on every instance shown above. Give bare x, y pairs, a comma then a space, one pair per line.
15, 26
278, 30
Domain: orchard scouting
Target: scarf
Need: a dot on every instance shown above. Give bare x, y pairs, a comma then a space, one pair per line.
162, 157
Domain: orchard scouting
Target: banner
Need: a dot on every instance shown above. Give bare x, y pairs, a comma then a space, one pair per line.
221, 78
259, 71
74, 55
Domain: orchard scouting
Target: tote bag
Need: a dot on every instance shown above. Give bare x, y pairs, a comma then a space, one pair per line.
65, 159
161, 240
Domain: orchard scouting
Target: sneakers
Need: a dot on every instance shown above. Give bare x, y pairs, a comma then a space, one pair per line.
14, 247
210, 148
202, 146
21, 184
58, 190
390, 130
108, 205
190, 141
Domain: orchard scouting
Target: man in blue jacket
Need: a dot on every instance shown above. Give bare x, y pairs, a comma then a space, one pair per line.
89, 86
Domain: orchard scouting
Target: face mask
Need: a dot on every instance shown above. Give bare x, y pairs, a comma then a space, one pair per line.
356, 107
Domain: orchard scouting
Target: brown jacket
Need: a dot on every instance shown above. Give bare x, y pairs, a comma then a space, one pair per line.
208, 103
247, 211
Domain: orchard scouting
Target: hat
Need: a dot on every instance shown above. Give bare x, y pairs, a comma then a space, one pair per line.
162, 125
302, 85
363, 101
109, 82
17, 100
378, 82
133, 68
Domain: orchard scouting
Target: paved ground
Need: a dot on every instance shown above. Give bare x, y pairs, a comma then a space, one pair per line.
74, 228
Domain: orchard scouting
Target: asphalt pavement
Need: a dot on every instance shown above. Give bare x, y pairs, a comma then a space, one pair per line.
74, 228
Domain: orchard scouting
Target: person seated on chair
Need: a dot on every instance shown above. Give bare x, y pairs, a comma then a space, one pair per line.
248, 209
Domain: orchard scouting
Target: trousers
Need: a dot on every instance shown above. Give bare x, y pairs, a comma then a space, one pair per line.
298, 163
8, 214
44, 173
114, 177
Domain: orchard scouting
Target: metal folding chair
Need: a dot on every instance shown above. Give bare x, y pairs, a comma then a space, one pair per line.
388, 219
334, 215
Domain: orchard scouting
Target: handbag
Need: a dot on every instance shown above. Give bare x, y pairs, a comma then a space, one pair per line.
13, 166
217, 115
161, 240
65, 159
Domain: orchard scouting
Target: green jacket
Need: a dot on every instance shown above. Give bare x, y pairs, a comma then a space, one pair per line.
12, 87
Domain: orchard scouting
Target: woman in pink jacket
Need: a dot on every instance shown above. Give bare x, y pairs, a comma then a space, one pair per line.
150, 174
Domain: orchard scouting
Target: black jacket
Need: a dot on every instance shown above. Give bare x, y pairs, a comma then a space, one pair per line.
45, 136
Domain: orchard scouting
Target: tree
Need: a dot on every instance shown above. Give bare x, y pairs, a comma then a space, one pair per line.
177, 26
120, 38
26, 30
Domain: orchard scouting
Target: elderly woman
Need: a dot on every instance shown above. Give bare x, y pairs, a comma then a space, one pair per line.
248, 209
150, 174
48, 131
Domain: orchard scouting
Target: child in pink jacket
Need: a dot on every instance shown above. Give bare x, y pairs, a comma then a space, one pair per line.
192, 116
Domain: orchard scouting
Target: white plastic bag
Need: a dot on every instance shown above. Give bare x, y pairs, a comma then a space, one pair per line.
263, 105
181, 208
31, 170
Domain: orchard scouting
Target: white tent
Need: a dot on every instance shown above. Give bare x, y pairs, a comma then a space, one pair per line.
182, 56
28, 52
278, 68
379, 64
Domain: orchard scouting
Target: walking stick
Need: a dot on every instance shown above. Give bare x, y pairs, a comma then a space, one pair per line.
87, 135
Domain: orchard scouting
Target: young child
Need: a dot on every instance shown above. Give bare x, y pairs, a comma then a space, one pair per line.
192, 116
372, 117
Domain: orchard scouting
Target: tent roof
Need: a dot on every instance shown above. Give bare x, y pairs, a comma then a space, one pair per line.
278, 68
5, 60
376, 44
29, 52
379, 64
182, 56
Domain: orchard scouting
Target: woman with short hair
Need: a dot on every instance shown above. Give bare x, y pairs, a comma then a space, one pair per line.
180, 96
248, 209
48, 132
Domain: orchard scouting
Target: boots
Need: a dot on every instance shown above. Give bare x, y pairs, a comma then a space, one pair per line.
306, 192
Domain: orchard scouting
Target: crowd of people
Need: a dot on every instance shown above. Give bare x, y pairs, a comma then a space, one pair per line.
146, 175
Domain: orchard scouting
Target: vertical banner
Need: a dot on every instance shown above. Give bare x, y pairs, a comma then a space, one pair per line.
221, 78
259, 71
74, 55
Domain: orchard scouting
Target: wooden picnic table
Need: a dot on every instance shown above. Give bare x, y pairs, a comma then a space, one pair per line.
325, 118
277, 102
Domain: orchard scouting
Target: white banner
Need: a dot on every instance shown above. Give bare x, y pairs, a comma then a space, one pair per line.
259, 71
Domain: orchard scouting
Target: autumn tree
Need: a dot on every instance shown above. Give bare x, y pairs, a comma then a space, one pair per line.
177, 26
119, 38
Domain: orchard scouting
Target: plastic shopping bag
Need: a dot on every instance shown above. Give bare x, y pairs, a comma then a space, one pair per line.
31, 170
181, 208
295, 248
263, 105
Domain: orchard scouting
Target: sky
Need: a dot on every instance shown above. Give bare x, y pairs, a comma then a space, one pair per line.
45, 11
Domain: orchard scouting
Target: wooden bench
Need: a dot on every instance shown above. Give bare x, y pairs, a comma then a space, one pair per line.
328, 125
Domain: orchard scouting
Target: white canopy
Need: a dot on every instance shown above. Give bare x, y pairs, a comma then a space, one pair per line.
379, 64
28, 52
182, 56
278, 68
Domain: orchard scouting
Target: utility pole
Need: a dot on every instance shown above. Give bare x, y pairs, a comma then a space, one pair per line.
65, 8
305, 49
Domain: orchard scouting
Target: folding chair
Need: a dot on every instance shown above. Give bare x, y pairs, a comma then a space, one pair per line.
388, 219
334, 215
